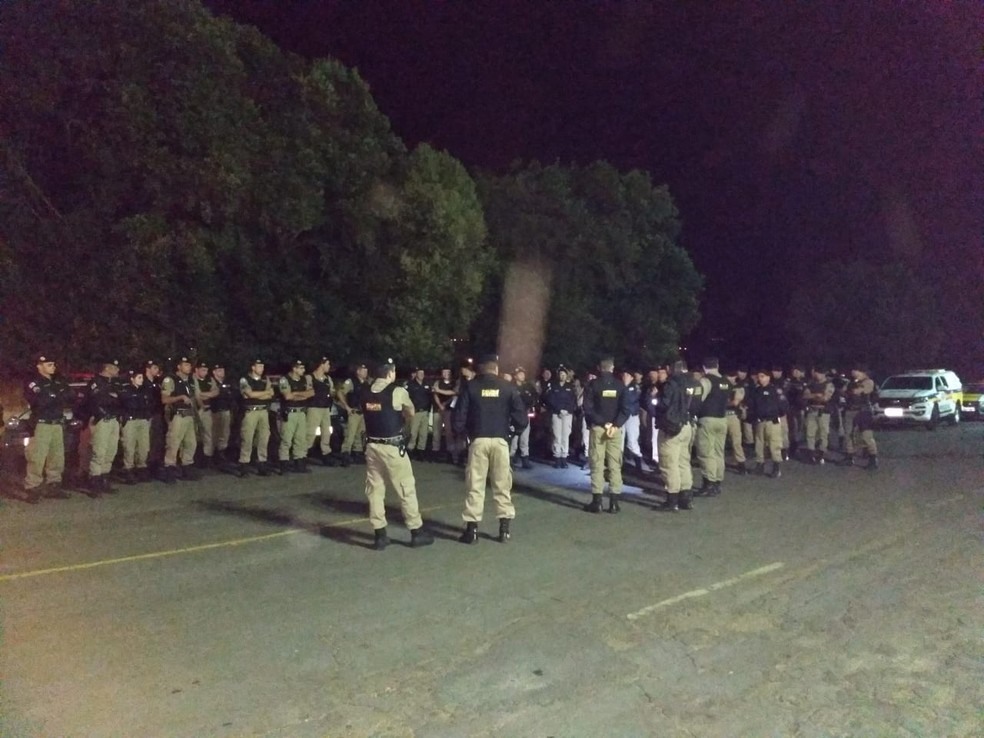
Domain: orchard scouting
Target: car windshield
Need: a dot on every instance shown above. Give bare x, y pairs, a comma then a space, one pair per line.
908, 383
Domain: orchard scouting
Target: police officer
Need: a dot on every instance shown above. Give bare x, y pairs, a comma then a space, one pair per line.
135, 432
48, 398
294, 393
203, 391
254, 432
561, 404
858, 418
488, 409
349, 396
605, 412
795, 386
222, 406
387, 410
104, 423
521, 441
675, 437
152, 388
732, 417
712, 426
767, 407
748, 382
630, 431
781, 383
179, 411
443, 393
319, 409
421, 398
817, 397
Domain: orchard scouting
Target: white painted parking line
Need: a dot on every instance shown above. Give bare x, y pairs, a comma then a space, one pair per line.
705, 590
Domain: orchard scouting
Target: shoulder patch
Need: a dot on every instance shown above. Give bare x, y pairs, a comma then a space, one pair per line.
167, 384
243, 384
33, 386
284, 384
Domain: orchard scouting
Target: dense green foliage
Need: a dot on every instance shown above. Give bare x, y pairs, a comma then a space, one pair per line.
171, 181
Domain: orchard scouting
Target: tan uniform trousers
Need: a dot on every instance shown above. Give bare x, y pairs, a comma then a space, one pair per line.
605, 453
385, 467
735, 437
711, 436
817, 429
105, 444
353, 433
254, 433
488, 462
293, 436
747, 433
768, 435
221, 429
419, 428
674, 460
181, 438
561, 425
45, 455
319, 418
442, 426
204, 431
784, 429
854, 436
135, 439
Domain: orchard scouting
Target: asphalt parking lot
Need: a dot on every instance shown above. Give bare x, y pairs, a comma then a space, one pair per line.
832, 602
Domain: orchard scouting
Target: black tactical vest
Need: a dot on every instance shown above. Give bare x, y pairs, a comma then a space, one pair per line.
296, 385
606, 392
256, 385
716, 401
354, 396
322, 392
382, 420
817, 388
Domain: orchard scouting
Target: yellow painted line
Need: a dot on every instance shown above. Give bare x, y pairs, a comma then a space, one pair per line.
185, 550
705, 590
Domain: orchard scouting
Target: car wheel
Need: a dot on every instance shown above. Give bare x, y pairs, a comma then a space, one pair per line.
934, 419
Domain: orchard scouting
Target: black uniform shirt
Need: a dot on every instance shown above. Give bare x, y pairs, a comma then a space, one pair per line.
420, 396
104, 398
48, 398
488, 407
767, 403
135, 403
604, 401
560, 398
226, 399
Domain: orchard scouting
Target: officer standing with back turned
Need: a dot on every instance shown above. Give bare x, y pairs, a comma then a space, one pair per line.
488, 409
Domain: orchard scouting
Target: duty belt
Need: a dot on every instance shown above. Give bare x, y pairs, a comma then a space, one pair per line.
821, 410
730, 411
49, 422
391, 441
355, 412
251, 408
184, 412
295, 409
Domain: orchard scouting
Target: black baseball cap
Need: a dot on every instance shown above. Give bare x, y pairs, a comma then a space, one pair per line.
43, 358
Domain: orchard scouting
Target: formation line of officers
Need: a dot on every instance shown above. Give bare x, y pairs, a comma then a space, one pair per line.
483, 418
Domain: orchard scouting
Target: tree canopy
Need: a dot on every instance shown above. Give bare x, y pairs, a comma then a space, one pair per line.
171, 181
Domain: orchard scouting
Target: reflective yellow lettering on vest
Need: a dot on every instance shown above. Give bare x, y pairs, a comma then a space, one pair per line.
609, 393
374, 407
490, 393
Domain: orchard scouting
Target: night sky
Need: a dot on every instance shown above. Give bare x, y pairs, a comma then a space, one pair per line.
790, 133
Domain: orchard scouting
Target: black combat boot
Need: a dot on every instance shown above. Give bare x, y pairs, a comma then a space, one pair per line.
557, 463
420, 537
244, 470
848, 460
595, 505
284, 467
274, 468
263, 469
713, 490
301, 467
380, 539
470, 535
170, 475
104, 486
33, 496
514, 461
55, 491
760, 469
776, 470
705, 488
127, 476
329, 460
527, 464
613, 506
872, 463
504, 533
192, 473
142, 474
820, 459
672, 502
686, 501
345, 459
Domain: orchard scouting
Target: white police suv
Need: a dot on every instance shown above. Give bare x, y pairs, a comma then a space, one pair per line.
924, 396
